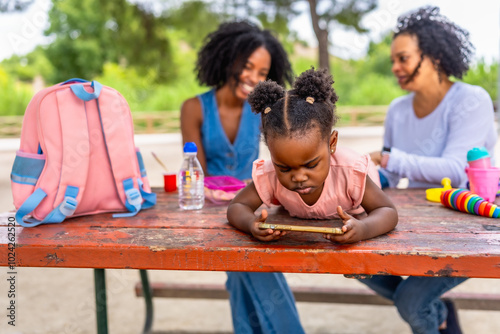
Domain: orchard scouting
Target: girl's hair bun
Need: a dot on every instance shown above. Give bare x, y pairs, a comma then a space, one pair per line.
317, 84
265, 94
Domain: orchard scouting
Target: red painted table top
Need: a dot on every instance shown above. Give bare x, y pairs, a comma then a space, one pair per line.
429, 240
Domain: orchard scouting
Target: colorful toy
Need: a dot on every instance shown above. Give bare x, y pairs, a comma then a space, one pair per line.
483, 178
465, 201
434, 194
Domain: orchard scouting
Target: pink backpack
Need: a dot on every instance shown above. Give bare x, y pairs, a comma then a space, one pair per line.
77, 156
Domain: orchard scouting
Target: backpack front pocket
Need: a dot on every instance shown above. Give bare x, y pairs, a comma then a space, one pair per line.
24, 176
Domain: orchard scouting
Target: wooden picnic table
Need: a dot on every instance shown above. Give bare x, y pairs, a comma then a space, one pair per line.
429, 240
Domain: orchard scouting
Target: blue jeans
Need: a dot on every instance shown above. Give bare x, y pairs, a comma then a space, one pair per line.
416, 298
262, 303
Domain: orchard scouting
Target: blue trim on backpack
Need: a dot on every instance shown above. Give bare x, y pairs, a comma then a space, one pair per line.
28, 206
23, 179
82, 94
26, 170
149, 198
73, 80
142, 169
66, 208
133, 201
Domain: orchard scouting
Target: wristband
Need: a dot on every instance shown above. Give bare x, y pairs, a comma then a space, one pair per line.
386, 153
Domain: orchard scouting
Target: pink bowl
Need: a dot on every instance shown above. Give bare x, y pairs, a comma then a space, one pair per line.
225, 183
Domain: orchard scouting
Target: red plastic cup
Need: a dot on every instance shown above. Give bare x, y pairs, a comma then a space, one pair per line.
170, 182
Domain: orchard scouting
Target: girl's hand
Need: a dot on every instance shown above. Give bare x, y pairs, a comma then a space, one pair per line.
376, 157
354, 229
267, 234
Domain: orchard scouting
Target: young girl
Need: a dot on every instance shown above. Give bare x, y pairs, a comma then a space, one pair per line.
307, 174
233, 60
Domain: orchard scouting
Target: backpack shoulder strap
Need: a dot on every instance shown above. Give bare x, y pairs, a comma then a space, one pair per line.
118, 132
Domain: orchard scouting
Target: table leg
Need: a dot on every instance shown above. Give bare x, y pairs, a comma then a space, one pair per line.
146, 291
100, 301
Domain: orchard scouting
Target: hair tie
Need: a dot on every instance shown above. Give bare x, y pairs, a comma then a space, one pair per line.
310, 99
267, 110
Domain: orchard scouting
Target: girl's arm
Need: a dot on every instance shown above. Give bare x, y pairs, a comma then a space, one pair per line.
240, 214
381, 217
191, 120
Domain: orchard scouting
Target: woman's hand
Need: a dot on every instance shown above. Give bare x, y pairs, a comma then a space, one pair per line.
376, 157
354, 229
267, 234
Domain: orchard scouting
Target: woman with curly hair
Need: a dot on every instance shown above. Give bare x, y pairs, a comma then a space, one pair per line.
427, 136
429, 131
233, 60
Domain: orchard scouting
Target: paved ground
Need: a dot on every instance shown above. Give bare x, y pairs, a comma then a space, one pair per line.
53, 300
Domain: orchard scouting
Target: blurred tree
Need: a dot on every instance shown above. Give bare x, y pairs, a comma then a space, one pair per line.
14, 95
484, 75
194, 19
14, 5
347, 13
274, 15
278, 13
27, 67
378, 57
90, 33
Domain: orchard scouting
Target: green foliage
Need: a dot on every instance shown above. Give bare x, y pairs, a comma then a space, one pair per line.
135, 88
76, 52
150, 59
14, 95
378, 57
349, 13
25, 68
193, 20
374, 89
367, 81
90, 33
301, 64
484, 75
346, 77
143, 94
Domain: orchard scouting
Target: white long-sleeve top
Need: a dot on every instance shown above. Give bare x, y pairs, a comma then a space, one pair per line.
425, 150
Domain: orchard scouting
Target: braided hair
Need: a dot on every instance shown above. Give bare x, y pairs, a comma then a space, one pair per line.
310, 104
226, 50
444, 42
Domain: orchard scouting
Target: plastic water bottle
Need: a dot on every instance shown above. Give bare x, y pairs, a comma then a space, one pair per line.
191, 180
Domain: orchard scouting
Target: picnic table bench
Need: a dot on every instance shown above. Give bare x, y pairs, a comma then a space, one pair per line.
429, 240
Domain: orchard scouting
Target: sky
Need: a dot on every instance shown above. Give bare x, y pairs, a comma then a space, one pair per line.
21, 32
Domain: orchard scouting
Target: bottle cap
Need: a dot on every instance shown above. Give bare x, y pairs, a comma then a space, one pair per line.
190, 147
477, 153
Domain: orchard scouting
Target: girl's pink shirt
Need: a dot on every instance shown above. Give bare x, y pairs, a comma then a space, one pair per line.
344, 186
